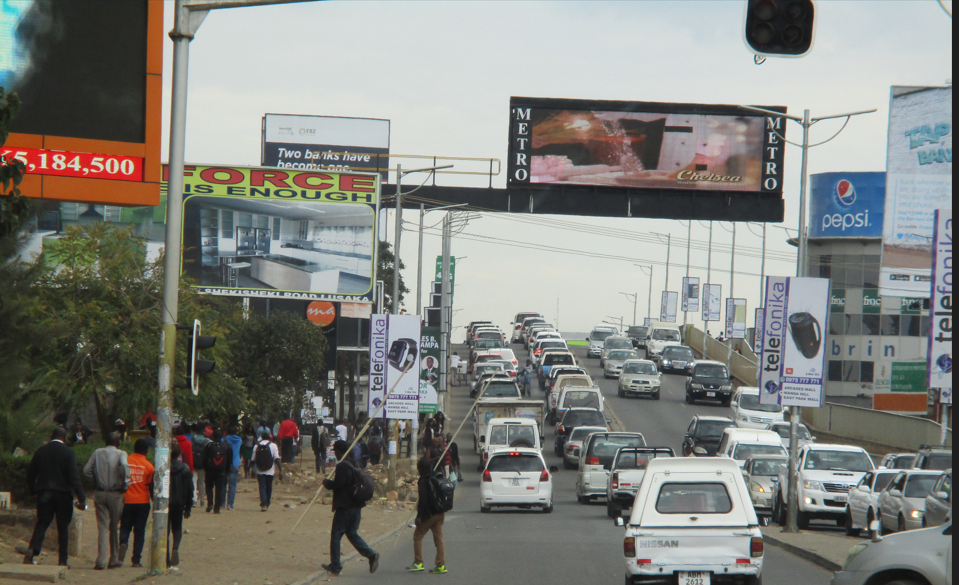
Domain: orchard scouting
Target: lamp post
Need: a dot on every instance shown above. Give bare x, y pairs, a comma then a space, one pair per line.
649, 299
419, 255
635, 299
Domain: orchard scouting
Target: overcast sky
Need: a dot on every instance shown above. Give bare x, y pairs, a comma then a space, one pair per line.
443, 73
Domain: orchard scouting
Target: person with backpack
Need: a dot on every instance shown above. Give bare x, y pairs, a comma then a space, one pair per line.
198, 443
431, 508
233, 473
181, 500
352, 488
217, 459
265, 457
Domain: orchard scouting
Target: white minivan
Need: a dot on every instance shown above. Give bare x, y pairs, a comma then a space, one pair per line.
505, 433
659, 336
748, 413
741, 444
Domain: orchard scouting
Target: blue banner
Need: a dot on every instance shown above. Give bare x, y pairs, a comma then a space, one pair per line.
847, 205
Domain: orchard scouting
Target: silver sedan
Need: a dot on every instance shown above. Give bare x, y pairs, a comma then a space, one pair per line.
615, 360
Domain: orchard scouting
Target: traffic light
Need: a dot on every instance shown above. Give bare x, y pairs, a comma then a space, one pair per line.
195, 367
779, 28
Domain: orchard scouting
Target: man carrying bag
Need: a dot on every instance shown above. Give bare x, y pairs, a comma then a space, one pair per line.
431, 508
351, 491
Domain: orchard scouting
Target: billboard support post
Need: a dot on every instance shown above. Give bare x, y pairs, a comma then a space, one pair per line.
689, 237
419, 267
649, 299
396, 247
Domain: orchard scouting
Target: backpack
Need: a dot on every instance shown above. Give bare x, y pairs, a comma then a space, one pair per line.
441, 494
218, 456
376, 446
363, 487
263, 457
199, 445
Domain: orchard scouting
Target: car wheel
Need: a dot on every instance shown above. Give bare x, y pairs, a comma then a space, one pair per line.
484, 509
584, 500
567, 464
924, 524
903, 582
754, 580
548, 509
802, 520
727, 401
609, 509
901, 524
655, 395
689, 397
850, 529
620, 393
780, 512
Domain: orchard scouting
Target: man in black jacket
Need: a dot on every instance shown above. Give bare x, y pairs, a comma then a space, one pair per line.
346, 512
53, 477
427, 521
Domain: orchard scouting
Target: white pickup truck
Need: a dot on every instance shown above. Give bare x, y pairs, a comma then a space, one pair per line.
826, 474
488, 409
626, 475
693, 523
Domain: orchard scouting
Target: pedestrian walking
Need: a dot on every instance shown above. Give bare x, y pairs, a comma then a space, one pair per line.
80, 433
233, 474
346, 512
429, 518
320, 440
527, 378
53, 478
428, 436
375, 445
289, 435
108, 469
217, 459
454, 453
249, 441
181, 500
439, 424
265, 457
341, 431
186, 448
198, 443
136, 503
264, 426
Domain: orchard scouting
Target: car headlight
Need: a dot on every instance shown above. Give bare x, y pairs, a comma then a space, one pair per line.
665, 362
916, 514
853, 553
695, 385
812, 485
727, 388
756, 487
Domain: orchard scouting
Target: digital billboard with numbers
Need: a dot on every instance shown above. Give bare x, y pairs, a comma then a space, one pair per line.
684, 153
89, 75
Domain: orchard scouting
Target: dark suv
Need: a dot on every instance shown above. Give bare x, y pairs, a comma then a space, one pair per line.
709, 380
933, 457
703, 435
638, 334
577, 417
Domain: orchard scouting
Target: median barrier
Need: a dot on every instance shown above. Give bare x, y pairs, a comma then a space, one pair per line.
897, 432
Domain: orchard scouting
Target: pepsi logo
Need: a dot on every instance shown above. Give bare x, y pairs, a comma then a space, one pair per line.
845, 193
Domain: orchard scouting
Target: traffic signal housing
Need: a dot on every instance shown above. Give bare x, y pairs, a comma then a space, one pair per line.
779, 28
195, 367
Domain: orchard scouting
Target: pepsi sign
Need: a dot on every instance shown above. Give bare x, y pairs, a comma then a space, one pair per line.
847, 205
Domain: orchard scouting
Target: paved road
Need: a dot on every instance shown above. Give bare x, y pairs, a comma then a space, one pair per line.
574, 544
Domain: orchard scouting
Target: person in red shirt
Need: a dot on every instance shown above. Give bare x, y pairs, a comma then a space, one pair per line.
136, 502
289, 435
185, 447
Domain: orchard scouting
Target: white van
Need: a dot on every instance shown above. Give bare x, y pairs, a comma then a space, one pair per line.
597, 337
579, 397
504, 433
748, 413
659, 336
741, 444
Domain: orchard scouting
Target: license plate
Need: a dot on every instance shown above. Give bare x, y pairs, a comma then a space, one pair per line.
514, 482
711, 394
694, 577
840, 498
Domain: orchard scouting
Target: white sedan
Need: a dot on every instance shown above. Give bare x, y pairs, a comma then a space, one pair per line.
517, 478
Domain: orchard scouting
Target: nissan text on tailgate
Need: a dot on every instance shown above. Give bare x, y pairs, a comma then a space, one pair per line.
693, 523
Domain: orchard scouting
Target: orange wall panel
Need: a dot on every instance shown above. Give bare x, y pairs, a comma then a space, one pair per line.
900, 402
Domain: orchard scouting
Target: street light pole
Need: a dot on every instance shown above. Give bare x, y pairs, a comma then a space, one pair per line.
395, 309
635, 300
419, 267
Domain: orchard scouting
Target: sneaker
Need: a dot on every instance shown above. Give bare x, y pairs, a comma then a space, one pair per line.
174, 558
122, 554
262, 508
415, 568
375, 562
28, 558
136, 565
329, 569
209, 509
440, 570
116, 565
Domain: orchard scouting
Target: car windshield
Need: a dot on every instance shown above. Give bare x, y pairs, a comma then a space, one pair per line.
599, 335
638, 460
902, 462
523, 462
501, 390
882, 480
693, 498
920, 486
488, 335
619, 343
838, 461
552, 343
488, 368
557, 372
751, 402
713, 428
581, 433
606, 446
678, 353
532, 321
783, 431
637, 331
563, 358
666, 335
622, 355
766, 467
938, 461
582, 418
711, 371
744, 452
640, 368
507, 365
581, 398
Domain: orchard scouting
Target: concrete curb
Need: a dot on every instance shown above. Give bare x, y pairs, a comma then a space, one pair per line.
322, 575
802, 553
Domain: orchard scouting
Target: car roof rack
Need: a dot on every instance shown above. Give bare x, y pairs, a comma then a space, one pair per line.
935, 448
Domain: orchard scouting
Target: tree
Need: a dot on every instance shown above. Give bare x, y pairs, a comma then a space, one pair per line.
384, 271
278, 358
15, 210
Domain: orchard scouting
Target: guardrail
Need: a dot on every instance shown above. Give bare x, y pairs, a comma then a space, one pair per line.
895, 431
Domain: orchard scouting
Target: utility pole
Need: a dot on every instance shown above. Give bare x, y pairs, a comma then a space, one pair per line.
689, 237
419, 266
709, 277
396, 246
635, 300
446, 306
649, 299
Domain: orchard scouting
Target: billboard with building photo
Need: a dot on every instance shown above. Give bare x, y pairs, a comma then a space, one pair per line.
395, 370
918, 181
690, 295
712, 302
325, 143
792, 348
98, 140
259, 232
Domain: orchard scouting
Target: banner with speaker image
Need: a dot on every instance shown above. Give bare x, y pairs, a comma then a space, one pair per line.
690, 295
792, 343
667, 312
395, 366
712, 302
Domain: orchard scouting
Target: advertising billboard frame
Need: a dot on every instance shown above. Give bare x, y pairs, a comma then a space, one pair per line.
939, 355
690, 301
395, 366
735, 326
668, 308
846, 205
712, 302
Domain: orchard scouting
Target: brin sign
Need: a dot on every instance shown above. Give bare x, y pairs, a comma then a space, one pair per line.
794, 324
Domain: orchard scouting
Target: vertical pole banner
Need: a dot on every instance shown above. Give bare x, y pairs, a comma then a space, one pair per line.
939, 368
712, 302
691, 295
758, 334
667, 312
429, 369
792, 345
395, 365
736, 318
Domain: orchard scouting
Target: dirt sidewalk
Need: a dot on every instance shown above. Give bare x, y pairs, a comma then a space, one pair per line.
238, 547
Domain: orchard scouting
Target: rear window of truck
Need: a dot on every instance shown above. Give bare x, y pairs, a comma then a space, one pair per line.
694, 498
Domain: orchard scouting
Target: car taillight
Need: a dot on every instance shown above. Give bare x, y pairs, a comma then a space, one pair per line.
487, 477
615, 480
570, 448
544, 477
742, 561
560, 429
485, 456
593, 461
537, 352
756, 547
629, 547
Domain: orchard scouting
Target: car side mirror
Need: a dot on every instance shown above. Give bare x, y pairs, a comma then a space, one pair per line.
609, 421
619, 521
942, 496
875, 532
866, 489
576, 452
812, 439
554, 469
700, 451
895, 493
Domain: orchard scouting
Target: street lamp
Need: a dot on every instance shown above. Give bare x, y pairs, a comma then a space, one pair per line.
649, 300
614, 321
635, 298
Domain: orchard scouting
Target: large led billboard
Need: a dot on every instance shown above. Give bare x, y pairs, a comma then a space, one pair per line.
596, 147
271, 233
89, 76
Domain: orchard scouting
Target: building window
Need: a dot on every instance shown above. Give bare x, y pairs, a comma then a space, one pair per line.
854, 276
835, 371
850, 371
910, 325
853, 324
870, 271
837, 324
890, 325
839, 275
276, 228
866, 371
870, 324
924, 326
